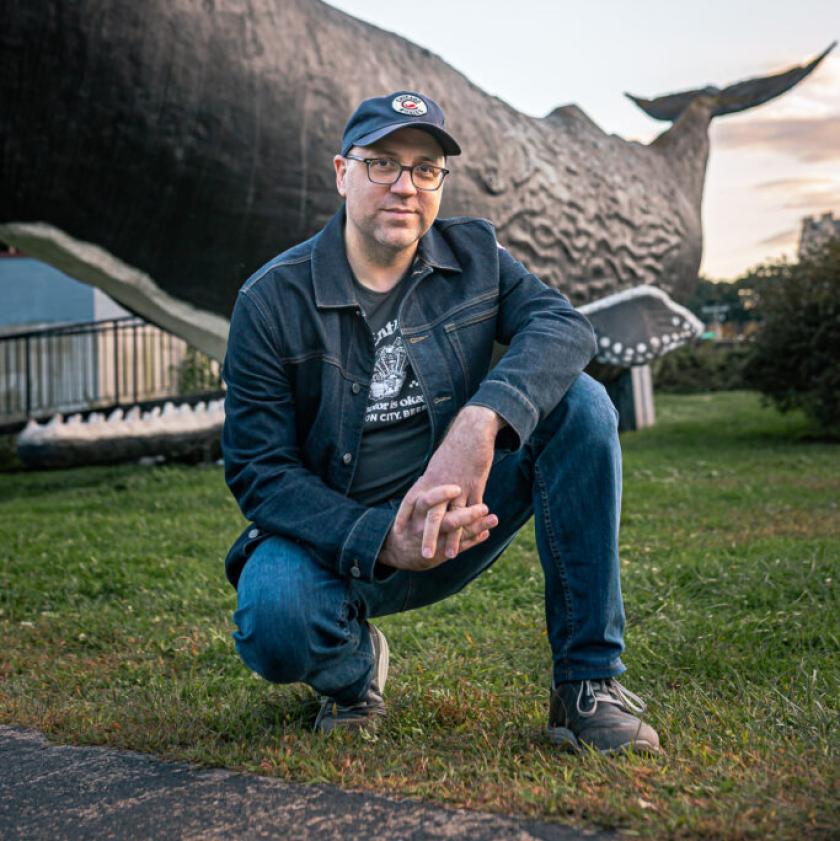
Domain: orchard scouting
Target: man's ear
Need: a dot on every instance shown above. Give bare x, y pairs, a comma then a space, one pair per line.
340, 165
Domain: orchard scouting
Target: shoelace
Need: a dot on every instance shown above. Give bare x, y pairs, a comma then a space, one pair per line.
326, 701
608, 692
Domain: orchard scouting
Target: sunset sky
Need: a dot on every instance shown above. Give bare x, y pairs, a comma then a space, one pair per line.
768, 167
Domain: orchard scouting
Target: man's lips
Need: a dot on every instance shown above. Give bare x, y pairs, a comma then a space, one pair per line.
400, 211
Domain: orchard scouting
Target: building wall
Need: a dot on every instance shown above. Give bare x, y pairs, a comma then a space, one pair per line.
817, 233
35, 294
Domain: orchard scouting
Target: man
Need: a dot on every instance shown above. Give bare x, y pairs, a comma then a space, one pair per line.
384, 465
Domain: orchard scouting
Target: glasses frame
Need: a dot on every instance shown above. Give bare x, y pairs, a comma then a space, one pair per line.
403, 168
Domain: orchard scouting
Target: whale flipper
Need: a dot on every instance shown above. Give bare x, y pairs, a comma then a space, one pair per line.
730, 100
637, 325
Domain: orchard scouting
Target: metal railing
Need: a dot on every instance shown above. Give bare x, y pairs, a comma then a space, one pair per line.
79, 367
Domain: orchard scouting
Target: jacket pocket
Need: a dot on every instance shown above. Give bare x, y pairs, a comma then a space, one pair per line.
471, 336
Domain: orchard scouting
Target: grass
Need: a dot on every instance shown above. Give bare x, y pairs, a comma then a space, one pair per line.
116, 624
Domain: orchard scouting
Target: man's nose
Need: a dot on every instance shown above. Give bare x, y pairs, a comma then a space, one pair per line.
404, 185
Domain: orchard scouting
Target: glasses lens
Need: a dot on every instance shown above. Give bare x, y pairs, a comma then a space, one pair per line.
384, 171
426, 176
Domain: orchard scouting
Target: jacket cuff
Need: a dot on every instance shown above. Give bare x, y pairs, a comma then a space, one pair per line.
513, 406
363, 544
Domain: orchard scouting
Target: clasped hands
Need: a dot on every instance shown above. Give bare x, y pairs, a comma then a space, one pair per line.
443, 512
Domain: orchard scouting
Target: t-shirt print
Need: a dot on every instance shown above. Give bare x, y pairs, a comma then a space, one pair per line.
395, 393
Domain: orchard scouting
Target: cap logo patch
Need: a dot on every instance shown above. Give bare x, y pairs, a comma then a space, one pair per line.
409, 104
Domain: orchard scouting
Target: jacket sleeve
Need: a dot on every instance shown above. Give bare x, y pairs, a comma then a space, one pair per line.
263, 463
550, 345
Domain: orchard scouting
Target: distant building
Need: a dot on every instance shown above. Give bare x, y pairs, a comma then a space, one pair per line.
817, 233
33, 294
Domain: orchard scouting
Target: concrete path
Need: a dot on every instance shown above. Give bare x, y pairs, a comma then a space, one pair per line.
56, 793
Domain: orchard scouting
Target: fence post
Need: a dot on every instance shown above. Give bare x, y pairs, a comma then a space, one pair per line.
134, 353
28, 379
116, 362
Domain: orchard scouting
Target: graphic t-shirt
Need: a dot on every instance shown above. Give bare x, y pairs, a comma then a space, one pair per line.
396, 433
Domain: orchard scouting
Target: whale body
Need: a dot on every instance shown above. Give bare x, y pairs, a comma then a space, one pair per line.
164, 150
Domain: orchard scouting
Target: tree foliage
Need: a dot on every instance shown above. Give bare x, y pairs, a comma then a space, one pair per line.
796, 355
700, 367
735, 300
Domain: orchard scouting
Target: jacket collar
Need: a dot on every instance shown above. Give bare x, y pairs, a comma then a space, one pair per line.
332, 277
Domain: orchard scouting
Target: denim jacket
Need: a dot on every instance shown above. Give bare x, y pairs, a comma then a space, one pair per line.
300, 359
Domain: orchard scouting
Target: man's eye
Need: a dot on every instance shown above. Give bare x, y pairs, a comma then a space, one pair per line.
426, 169
383, 164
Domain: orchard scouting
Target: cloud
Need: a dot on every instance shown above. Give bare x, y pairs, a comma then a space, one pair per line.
812, 194
792, 183
782, 239
808, 139
814, 202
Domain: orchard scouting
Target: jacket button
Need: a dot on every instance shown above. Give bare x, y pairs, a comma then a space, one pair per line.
355, 388
347, 458
354, 570
254, 533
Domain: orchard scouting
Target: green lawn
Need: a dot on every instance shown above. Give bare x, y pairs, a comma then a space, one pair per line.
116, 623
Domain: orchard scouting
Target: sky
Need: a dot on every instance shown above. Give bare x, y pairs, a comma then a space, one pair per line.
768, 167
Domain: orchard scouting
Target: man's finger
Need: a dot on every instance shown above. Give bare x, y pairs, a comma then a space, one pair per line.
453, 539
453, 543
457, 518
433, 497
469, 542
480, 525
431, 529
405, 510
415, 497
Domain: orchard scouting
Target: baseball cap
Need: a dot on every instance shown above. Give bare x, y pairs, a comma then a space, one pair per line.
375, 118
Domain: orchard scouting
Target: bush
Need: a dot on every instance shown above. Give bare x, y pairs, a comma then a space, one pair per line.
796, 354
8, 454
197, 373
706, 366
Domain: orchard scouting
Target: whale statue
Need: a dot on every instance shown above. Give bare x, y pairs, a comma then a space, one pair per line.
164, 150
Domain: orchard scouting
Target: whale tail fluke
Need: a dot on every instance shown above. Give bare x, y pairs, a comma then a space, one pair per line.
730, 100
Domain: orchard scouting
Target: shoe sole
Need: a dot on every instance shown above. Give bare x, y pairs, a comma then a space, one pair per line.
381, 656
564, 739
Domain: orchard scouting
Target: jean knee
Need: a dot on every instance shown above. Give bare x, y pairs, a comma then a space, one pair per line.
593, 410
273, 612
268, 638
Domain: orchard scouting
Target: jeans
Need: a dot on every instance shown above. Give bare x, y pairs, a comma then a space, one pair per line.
299, 621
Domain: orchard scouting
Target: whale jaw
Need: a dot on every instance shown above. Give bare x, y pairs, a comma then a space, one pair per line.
126, 284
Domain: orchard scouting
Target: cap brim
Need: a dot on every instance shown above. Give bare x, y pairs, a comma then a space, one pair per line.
447, 143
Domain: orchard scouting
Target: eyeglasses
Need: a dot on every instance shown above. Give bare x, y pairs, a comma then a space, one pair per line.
387, 171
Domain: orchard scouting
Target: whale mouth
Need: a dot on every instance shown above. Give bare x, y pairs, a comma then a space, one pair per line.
129, 286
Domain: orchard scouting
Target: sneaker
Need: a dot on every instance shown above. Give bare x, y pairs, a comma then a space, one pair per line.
599, 714
368, 710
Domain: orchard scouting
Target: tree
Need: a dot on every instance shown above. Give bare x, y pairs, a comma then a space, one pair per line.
736, 300
796, 355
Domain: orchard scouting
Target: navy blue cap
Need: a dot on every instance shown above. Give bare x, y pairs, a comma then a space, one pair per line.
375, 118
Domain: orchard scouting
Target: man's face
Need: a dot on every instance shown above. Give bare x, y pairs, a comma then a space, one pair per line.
389, 217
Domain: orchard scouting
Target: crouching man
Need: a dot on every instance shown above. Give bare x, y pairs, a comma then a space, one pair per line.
384, 465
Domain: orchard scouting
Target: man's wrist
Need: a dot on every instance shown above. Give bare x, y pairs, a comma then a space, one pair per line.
482, 416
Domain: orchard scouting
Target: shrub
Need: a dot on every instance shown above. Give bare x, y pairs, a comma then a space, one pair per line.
796, 356
705, 366
196, 373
